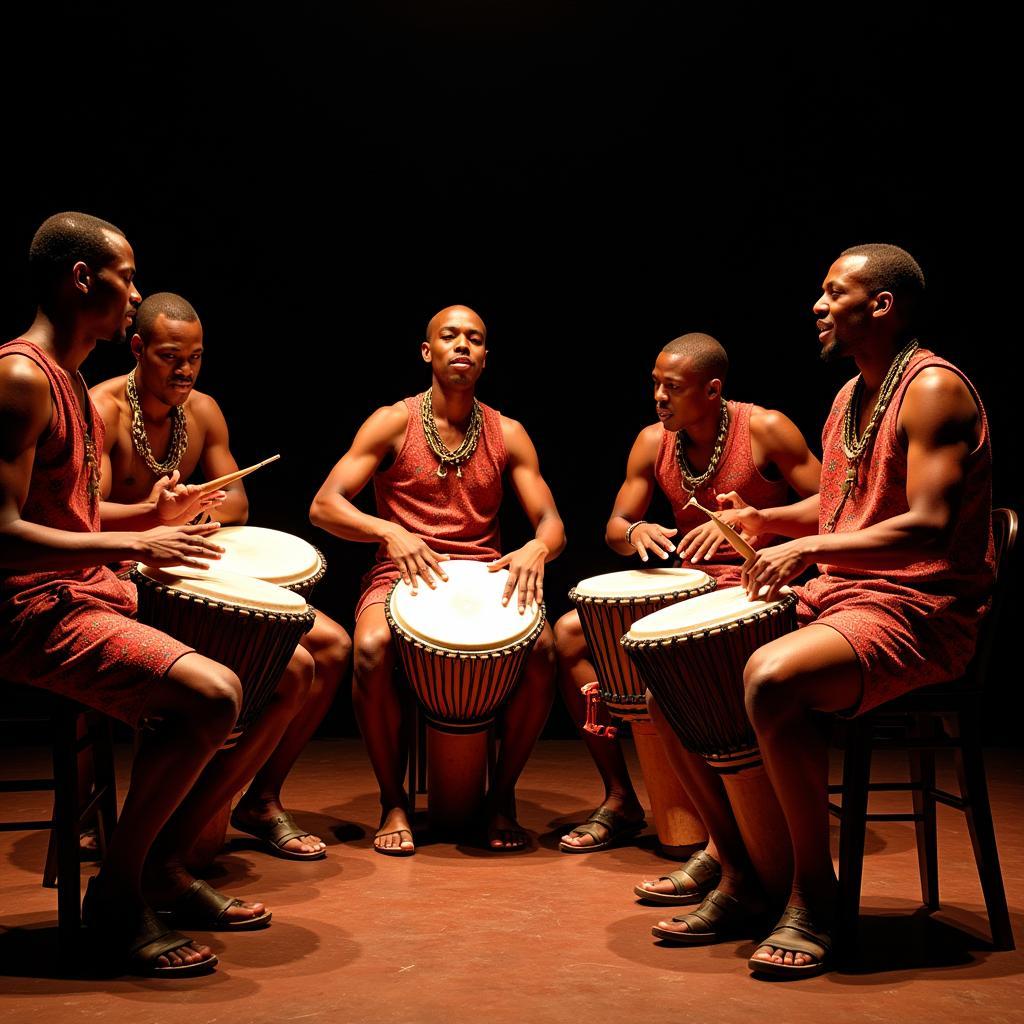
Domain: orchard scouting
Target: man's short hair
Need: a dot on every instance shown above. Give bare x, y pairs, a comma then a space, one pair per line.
704, 352
890, 269
62, 241
167, 304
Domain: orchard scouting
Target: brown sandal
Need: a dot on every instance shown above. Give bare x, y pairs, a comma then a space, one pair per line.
701, 869
720, 916
617, 827
797, 932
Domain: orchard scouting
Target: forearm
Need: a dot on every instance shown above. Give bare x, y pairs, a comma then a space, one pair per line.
140, 515
30, 546
798, 520
890, 544
338, 516
615, 535
551, 533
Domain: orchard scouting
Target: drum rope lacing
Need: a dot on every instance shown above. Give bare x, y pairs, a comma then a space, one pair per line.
855, 448
691, 481
446, 456
140, 439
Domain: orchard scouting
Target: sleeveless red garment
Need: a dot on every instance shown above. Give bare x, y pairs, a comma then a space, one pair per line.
915, 625
455, 516
69, 630
736, 472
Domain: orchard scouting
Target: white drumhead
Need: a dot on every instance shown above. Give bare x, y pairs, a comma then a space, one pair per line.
715, 609
227, 587
270, 555
656, 581
464, 614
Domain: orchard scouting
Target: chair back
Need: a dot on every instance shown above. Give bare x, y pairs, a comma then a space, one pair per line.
1004, 534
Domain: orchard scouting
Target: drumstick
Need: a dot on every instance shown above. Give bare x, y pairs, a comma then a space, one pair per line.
230, 478
728, 532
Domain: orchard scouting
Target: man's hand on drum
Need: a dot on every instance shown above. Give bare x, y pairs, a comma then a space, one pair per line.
651, 539
414, 559
774, 567
526, 571
178, 545
176, 502
703, 542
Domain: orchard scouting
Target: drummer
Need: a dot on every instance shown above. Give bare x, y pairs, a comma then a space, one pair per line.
67, 622
184, 431
715, 449
905, 554
436, 461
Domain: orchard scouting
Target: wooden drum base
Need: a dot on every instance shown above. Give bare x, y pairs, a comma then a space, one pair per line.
680, 831
763, 828
456, 778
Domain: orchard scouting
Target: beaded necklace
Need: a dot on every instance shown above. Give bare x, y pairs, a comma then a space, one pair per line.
140, 440
854, 447
446, 456
690, 481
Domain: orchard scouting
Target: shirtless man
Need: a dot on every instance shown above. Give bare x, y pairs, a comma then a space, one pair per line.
761, 452
901, 534
168, 348
392, 449
66, 620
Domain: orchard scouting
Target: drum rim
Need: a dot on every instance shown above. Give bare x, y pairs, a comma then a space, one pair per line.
306, 581
781, 606
238, 607
705, 588
451, 652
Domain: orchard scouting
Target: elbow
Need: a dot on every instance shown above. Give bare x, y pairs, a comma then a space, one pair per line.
316, 513
243, 514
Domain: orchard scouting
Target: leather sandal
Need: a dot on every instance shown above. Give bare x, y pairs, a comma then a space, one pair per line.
720, 916
616, 827
797, 932
203, 907
702, 870
274, 833
395, 851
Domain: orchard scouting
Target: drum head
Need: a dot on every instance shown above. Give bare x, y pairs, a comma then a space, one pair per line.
658, 581
718, 608
464, 614
269, 555
227, 588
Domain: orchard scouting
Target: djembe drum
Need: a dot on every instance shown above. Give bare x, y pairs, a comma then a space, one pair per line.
608, 605
271, 555
462, 652
692, 656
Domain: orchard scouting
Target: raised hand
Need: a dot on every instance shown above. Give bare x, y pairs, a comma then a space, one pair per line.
178, 545
526, 570
414, 559
651, 539
176, 502
735, 512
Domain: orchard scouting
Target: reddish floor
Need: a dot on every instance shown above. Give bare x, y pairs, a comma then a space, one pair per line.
455, 934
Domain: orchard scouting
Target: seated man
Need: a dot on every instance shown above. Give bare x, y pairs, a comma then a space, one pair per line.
157, 426
901, 534
437, 462
714, 450
66, 620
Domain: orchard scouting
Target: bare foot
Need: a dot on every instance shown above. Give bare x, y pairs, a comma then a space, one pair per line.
505, 833
395, 833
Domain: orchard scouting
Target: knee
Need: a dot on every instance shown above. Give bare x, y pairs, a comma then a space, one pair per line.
543, 653
297, 679
569, 636
217, 700
768, 690
373, 652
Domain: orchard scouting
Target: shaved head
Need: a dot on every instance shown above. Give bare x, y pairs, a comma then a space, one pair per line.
438, 319
704, 353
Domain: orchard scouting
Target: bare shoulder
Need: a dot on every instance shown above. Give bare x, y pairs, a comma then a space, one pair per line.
939, 397
108, 397
204, 408
649, 439
21, 376
383, 428
770, 426
25, 401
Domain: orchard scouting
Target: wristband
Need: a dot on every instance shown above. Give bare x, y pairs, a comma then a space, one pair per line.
631, 528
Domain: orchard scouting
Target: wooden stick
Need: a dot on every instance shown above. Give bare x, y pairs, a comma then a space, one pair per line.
230, 478
731, 535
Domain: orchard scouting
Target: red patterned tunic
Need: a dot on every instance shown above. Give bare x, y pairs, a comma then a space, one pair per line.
455, 516
69, 630
915, 625
736, 472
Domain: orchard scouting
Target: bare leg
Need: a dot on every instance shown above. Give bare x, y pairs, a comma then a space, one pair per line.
192, 710
708, 795
166, 875
524, 717
331, 650
814, 669
377, 701
574, 671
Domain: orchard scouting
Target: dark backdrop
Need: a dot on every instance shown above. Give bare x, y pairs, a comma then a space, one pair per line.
593, 178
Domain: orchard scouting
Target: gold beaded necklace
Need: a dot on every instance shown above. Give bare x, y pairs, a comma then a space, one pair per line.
446, 456
691, 481
140, 439
854, 447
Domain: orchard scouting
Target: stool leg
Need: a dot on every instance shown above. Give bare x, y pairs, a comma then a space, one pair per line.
970, 769
101, 736
853, 827
66, 825
922, 775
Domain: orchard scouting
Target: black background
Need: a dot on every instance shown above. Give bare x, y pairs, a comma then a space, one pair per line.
593, 178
